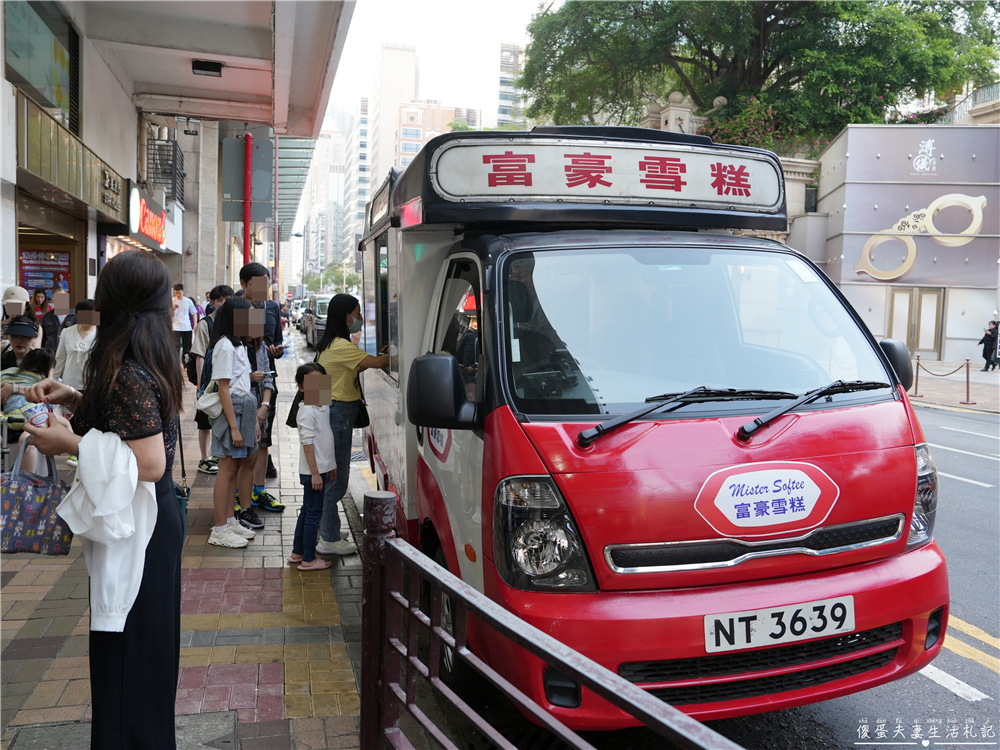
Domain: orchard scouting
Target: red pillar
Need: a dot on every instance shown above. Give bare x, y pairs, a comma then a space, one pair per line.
247, 184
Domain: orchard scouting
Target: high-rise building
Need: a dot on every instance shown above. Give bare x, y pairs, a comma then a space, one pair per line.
510, 110
356, 181
418, 122
397, 79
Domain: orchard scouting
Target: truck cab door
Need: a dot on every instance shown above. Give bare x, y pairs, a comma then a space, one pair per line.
455, 457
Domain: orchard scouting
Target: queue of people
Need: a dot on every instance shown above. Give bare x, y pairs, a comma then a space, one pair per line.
114, 380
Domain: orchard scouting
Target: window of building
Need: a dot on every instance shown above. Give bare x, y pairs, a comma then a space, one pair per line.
42, 56
416, 133
410, 148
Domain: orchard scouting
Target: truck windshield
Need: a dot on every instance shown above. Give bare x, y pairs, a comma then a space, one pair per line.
599, 331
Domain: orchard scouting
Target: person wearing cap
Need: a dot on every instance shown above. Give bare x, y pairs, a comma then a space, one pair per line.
23, 334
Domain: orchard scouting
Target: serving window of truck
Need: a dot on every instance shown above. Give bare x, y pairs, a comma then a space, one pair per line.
673, 447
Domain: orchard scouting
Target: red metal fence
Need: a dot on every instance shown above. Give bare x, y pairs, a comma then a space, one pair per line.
393, 658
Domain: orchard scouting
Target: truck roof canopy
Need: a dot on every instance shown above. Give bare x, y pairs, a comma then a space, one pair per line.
585, 175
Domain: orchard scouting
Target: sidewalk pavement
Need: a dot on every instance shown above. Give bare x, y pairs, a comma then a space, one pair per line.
950, 390
270, 657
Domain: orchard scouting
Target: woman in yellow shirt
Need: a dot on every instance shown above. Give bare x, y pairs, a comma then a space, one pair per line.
342, 361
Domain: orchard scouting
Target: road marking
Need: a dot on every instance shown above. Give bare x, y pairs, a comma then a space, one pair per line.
977, 633
953, 684
967, 432
956, 450
963, 479
964, 649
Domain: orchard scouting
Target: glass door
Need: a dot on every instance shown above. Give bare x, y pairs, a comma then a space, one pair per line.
915, 315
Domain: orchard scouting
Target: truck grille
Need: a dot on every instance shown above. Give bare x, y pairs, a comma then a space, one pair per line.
729, 691
726, 553
745, 662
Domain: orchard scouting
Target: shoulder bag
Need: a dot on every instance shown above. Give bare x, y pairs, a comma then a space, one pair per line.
28, 504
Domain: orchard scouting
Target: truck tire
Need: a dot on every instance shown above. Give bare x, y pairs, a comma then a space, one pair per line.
467, 683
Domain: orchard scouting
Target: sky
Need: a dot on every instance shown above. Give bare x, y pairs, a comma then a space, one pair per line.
457, 43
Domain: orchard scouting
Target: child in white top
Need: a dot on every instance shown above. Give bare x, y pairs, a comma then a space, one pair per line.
236, 431
317, 462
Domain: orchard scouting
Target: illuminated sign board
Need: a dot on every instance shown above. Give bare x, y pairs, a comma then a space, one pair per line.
581, 171
147, 221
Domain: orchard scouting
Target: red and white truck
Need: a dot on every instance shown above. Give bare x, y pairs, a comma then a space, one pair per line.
674, 448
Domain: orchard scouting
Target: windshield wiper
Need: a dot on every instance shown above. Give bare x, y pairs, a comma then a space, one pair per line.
701, 393
838, 386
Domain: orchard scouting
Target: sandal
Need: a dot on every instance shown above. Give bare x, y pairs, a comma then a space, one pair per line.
318, 564
294, 559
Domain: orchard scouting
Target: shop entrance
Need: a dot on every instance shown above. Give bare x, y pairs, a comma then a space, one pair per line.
915, 316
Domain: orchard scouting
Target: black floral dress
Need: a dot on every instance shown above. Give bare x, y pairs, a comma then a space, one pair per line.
133, 674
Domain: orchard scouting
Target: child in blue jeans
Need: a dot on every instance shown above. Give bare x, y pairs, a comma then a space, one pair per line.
317, 462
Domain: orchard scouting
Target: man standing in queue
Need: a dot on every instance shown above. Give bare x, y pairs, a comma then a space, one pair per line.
255, 286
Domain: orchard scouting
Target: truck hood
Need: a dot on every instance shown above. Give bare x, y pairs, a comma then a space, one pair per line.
657, 483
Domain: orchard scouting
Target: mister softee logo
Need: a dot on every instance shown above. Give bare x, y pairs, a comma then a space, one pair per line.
767, 498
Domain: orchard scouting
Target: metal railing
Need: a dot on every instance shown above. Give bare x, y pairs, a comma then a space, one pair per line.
980, 96
392, 655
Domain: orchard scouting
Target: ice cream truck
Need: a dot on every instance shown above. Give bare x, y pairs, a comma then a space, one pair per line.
669, 443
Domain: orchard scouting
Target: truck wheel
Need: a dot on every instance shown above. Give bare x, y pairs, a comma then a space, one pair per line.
471, 686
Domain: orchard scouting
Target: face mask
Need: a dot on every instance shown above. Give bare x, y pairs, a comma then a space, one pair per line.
356, 324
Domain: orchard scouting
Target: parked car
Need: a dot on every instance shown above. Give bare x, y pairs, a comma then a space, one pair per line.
314, 318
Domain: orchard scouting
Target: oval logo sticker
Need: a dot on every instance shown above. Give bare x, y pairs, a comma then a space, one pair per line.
440, 442
768, 498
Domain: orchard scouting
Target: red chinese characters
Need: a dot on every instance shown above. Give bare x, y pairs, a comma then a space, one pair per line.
727, 179
509, 168
587, 168
662, 172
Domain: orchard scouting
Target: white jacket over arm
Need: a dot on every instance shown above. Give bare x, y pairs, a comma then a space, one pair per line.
114, 515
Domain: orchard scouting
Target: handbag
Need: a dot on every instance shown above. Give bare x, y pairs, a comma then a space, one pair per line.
209, 401
362, 420
28, 504
182, 491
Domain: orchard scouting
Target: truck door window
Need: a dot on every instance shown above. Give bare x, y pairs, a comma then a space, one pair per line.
458, 322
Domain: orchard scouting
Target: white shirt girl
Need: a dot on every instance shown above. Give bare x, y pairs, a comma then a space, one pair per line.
231, 363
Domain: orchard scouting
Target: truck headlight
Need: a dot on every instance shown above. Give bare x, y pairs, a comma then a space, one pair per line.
536, 544
925, 501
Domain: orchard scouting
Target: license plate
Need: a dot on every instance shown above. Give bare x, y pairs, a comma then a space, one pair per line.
732, 631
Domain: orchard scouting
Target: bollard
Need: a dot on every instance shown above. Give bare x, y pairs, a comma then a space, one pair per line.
916, 381
380, 525
968, 395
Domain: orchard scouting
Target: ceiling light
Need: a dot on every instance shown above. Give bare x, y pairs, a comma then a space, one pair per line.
207, 68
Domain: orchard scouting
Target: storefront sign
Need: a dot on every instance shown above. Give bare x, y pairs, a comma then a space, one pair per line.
147, 222
111, 190
38, 269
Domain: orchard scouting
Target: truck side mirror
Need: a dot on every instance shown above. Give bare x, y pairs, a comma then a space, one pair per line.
435, 394
899, 357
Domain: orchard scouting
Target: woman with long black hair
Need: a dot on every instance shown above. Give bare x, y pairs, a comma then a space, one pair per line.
128, 407
342, 361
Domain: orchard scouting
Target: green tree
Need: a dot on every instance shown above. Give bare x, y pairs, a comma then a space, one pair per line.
816, 66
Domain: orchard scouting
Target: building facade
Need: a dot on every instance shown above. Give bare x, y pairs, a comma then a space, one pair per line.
913, 231
510, 106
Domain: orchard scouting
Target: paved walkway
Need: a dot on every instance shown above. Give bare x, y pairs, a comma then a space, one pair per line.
950, 390
270, 657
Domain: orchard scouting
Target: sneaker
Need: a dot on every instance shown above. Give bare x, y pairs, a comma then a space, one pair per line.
208, 466
226, 538
267, 501
246, 533
272, 472
335, 548
249, 519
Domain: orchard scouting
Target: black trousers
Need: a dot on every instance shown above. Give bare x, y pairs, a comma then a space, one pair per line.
133, 674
